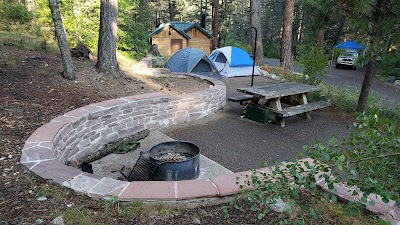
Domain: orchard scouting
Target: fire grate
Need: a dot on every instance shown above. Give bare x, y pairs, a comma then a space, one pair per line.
142, 170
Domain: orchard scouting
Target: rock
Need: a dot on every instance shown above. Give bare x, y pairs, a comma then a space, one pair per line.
81, 51
196, 220
59, 220
391, 79
39, 221
264, 72
42, 198
279, 206
397, 82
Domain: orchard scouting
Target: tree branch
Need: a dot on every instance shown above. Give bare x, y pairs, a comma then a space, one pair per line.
376, 157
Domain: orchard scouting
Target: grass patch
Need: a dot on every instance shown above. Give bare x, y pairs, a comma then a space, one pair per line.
338, 213
78, 215
27, 41
345, 100
112, 209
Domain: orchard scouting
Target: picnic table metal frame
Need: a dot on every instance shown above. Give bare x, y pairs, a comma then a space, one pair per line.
272, 96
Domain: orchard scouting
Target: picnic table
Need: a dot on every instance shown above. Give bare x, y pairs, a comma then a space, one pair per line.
283, 99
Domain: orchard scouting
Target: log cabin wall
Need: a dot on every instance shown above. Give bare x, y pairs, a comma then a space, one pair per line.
170, 40
163, 40
199, 40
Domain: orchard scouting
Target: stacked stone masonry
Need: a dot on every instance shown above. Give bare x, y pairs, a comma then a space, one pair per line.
54, 151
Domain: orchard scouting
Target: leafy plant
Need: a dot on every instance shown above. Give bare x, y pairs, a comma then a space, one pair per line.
126, 147
368, 159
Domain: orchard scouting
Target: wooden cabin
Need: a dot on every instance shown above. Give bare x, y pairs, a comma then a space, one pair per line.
172, 36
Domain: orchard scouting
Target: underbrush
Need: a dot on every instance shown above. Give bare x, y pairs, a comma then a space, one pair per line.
309, 207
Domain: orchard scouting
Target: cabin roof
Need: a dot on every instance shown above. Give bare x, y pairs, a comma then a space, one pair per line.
180, 27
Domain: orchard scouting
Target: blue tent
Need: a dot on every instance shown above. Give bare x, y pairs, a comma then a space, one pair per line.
192, 60
232, 61
352, 45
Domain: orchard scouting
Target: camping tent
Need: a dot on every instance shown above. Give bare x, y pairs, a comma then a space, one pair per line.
232, 61
192, 60
351, 45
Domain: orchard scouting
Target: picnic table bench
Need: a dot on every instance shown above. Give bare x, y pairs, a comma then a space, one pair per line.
275, 96
240, 98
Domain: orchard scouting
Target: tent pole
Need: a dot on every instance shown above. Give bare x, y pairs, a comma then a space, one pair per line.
254, 53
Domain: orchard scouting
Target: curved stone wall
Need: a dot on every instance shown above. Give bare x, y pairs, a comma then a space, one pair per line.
55, 150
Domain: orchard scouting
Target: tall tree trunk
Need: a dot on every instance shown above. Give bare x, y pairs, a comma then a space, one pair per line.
215, 23
68, 64
107, 57
366, 86
286, 43
320, 39
255, 21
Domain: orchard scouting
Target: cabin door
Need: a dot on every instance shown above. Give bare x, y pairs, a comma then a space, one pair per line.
176, 44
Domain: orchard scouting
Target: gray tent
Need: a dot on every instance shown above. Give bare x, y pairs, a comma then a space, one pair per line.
192, 60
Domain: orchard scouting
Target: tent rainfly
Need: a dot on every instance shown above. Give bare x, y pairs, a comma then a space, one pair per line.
351, 45
233, 62
192, 60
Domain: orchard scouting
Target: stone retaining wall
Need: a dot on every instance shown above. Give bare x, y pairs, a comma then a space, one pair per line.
55, 150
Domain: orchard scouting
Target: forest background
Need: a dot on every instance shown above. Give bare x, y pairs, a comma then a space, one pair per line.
315, 23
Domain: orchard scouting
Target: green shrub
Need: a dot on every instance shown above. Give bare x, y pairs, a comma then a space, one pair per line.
159, 62
15, 12
232, 40
345, 100
271, 50
132, 39
389, 65
14, 16
314, 64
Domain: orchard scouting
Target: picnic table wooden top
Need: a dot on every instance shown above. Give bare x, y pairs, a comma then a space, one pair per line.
277, 90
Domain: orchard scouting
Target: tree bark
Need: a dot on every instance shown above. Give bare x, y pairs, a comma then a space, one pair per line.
255, 21
68, 64
286, 42
107, 57
378, 12
366, 86
215, 23
320, 40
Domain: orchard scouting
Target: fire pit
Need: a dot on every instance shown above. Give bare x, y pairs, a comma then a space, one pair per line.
167, 161
175, 160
